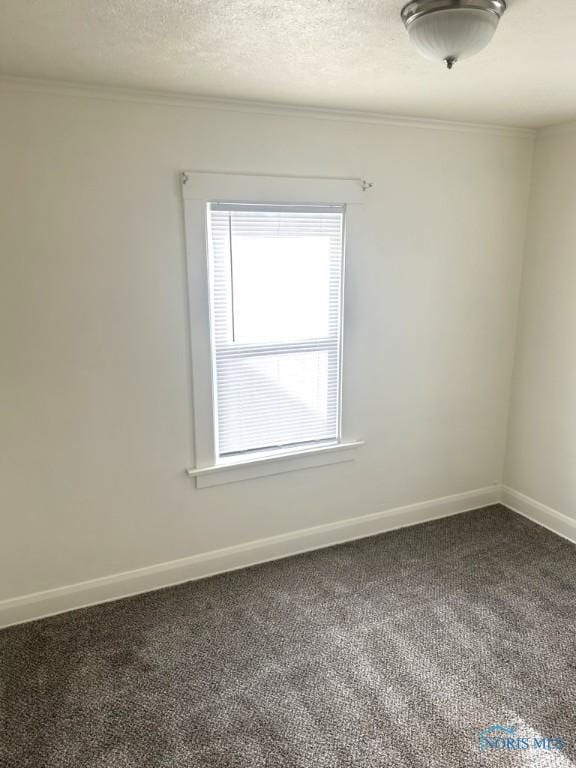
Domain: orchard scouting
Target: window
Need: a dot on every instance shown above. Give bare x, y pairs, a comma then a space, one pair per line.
267, 278
276, 277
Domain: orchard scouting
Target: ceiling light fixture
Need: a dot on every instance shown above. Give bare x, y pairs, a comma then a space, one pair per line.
450, 30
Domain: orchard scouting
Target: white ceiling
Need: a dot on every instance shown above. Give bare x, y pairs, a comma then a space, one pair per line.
351, 54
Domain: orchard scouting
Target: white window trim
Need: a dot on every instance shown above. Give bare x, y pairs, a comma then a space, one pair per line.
199, 189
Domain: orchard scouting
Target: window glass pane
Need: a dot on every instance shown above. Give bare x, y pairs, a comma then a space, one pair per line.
276, 274
283, 279
275, 400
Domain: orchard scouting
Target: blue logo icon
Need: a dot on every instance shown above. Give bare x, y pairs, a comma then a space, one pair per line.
505, 737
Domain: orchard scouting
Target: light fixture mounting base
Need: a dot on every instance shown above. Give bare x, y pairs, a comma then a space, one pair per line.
415, 9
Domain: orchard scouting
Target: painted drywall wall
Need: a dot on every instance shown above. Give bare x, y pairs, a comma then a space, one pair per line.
96, 413
542, 439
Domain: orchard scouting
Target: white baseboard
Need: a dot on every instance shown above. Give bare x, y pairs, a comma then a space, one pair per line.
539, 513
81, 595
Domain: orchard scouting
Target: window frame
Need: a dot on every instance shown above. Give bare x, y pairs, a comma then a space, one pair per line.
199, 189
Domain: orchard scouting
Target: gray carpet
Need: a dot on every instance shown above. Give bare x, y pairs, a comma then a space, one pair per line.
391, 651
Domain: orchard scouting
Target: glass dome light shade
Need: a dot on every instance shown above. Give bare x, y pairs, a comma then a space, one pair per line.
449, 30
452, 34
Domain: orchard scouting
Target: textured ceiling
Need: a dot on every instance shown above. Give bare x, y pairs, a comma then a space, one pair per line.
351, 54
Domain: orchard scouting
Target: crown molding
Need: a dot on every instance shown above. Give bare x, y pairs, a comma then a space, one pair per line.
558, 129
170, 99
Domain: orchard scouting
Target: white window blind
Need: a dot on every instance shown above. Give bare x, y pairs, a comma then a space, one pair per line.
276, 296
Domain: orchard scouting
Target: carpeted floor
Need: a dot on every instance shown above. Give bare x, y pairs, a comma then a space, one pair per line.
396, 651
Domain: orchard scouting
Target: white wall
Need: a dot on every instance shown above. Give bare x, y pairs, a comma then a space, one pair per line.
95, 372
541, 458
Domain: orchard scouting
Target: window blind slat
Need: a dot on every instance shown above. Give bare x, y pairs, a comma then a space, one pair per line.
276, 285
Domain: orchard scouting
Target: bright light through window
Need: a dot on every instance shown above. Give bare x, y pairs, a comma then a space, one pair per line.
285, 280
276, 281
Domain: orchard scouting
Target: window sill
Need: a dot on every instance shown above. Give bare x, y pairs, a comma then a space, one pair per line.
273, 463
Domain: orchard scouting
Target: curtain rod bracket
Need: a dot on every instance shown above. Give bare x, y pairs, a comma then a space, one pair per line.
366, 185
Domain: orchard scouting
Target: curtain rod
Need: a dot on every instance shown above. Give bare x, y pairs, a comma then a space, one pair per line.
365, 185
